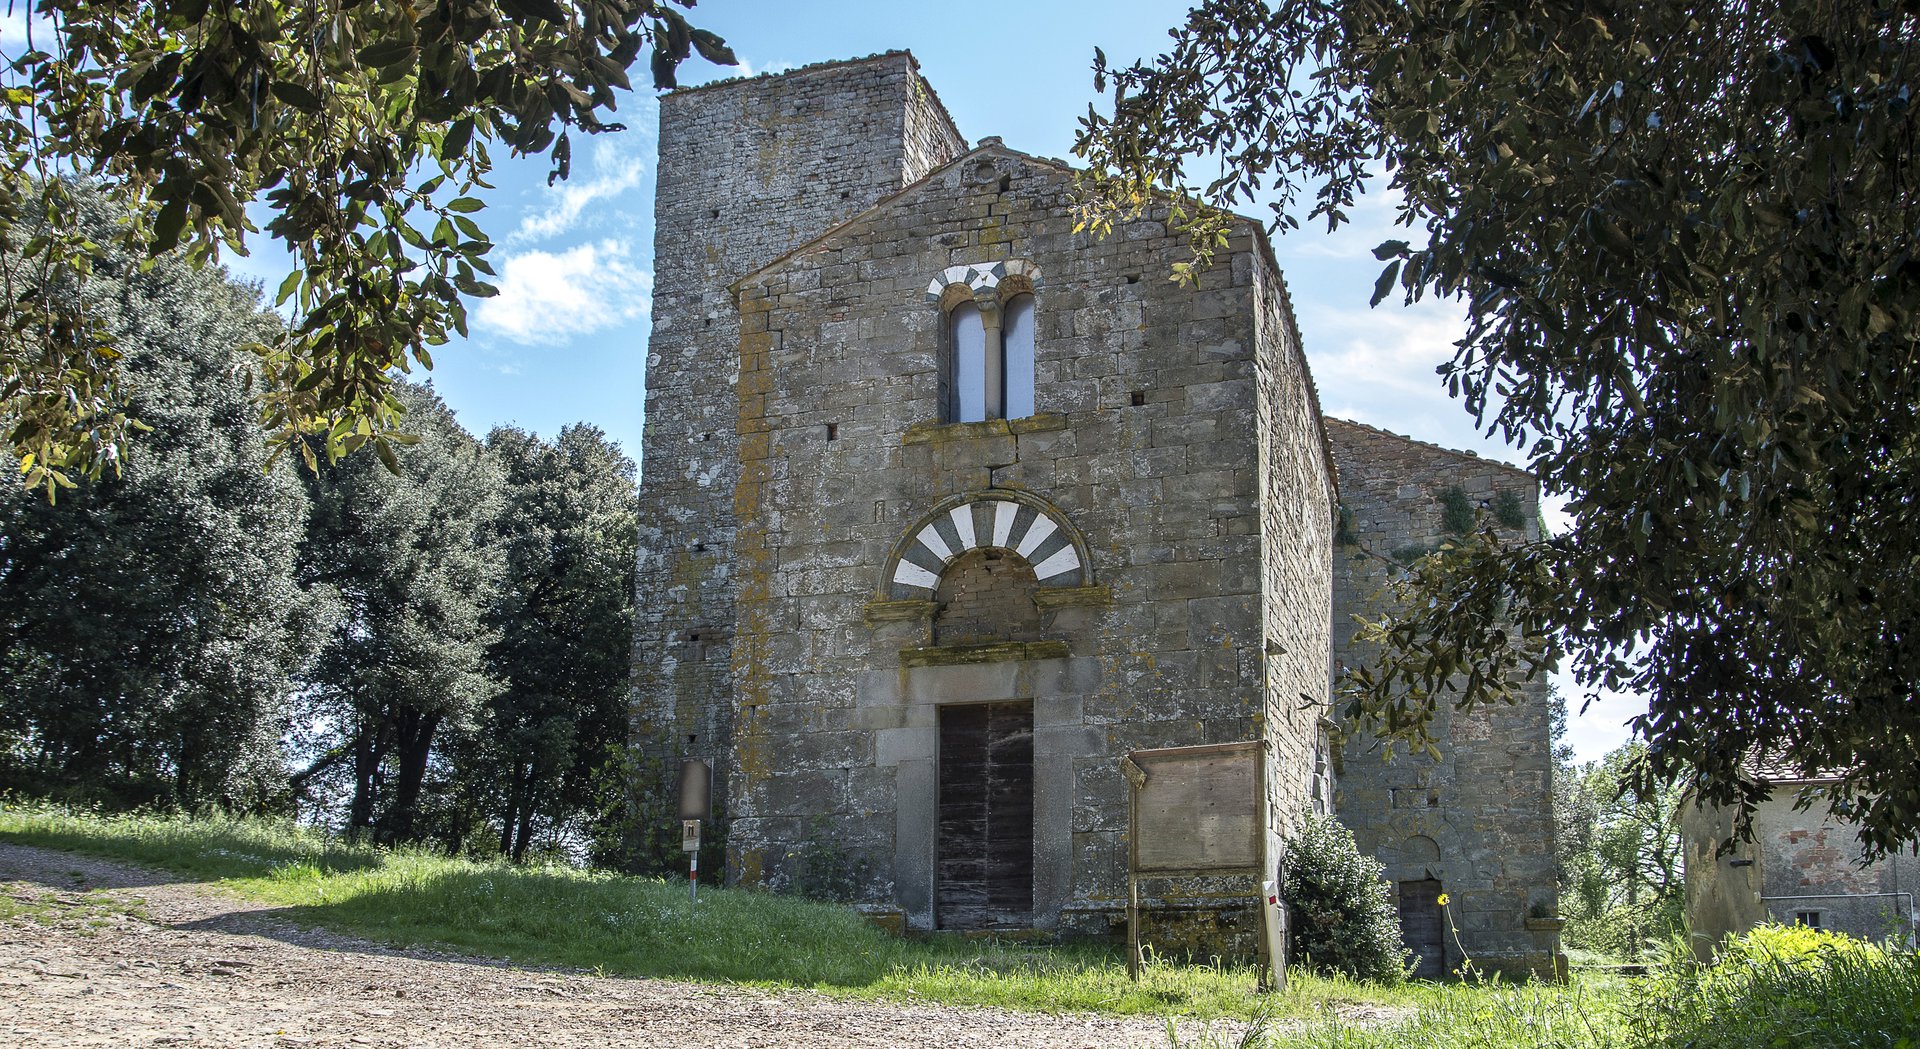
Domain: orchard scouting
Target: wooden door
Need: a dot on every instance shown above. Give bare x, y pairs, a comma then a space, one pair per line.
1422, 928
985, 864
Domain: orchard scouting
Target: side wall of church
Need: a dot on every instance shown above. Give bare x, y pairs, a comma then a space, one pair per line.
748, 169
1480, 819
1296, 524
1143, 441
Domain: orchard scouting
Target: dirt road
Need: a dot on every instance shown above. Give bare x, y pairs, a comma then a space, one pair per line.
116, 956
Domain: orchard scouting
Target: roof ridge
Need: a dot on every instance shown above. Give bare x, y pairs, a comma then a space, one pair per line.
814, 67
1460, 453
989, 143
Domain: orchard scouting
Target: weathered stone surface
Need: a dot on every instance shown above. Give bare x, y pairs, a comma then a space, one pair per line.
1803, 865
1480, 819
1149, 559
748, 169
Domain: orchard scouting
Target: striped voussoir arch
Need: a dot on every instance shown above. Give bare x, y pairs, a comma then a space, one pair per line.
1045, 540
981, 276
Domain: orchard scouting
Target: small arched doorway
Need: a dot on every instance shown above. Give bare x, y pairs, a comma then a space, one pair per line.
1423, 927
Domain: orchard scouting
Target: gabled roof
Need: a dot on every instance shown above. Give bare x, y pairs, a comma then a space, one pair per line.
1778, 772
987, 146
1456, 453
992, 145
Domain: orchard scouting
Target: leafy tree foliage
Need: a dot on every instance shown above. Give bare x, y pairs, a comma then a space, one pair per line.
1620, 855
564, 627
455, 641
408, 559
1338, 909
1684, 236
360, 128
149, 622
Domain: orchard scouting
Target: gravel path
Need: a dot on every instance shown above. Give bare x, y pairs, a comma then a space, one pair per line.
118, 956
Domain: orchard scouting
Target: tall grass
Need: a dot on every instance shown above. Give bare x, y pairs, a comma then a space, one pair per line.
646, 927
212, 847
1774, 988
1785, 988
1471, 1014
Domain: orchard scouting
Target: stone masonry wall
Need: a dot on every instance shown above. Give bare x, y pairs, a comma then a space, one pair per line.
1297, 520
1800, 862
985, 597
748, 169
1479, 820
1146, 441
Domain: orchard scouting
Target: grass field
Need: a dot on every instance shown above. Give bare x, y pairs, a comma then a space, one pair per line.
1785, 988
629, 926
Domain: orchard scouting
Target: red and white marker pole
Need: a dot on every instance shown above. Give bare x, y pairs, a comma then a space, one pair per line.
690, 841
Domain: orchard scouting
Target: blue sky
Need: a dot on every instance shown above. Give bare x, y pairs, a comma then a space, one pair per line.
566, 339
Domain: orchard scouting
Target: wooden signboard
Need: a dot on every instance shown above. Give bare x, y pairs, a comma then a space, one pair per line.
1197, 809
1201, 811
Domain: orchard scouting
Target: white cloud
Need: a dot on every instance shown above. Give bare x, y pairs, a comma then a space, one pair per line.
617, 169
769, 68
1370, 223
1383, 357
548, 299
13, 30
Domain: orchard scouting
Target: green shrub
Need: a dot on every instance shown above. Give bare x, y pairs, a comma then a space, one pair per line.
1456, 511
1508, 510
1789, 943
1342, 919
1783, 987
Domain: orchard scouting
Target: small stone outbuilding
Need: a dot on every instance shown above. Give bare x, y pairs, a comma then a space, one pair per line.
1803, 866
946, 508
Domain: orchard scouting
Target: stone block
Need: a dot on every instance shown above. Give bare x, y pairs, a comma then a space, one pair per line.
892, 746
970, 683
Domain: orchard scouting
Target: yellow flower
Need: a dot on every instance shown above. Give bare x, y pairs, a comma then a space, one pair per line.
1443, 899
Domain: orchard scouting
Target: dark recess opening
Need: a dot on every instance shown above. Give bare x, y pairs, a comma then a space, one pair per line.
985, 865
1421, 928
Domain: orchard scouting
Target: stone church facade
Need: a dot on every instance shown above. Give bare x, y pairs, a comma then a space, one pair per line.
946, 508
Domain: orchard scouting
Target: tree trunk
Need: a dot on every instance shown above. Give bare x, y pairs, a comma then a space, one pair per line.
508, 821
366, 764
526, 819
413, 744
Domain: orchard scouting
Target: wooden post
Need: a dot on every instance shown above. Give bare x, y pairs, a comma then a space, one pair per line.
1136, 778
1133, 927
